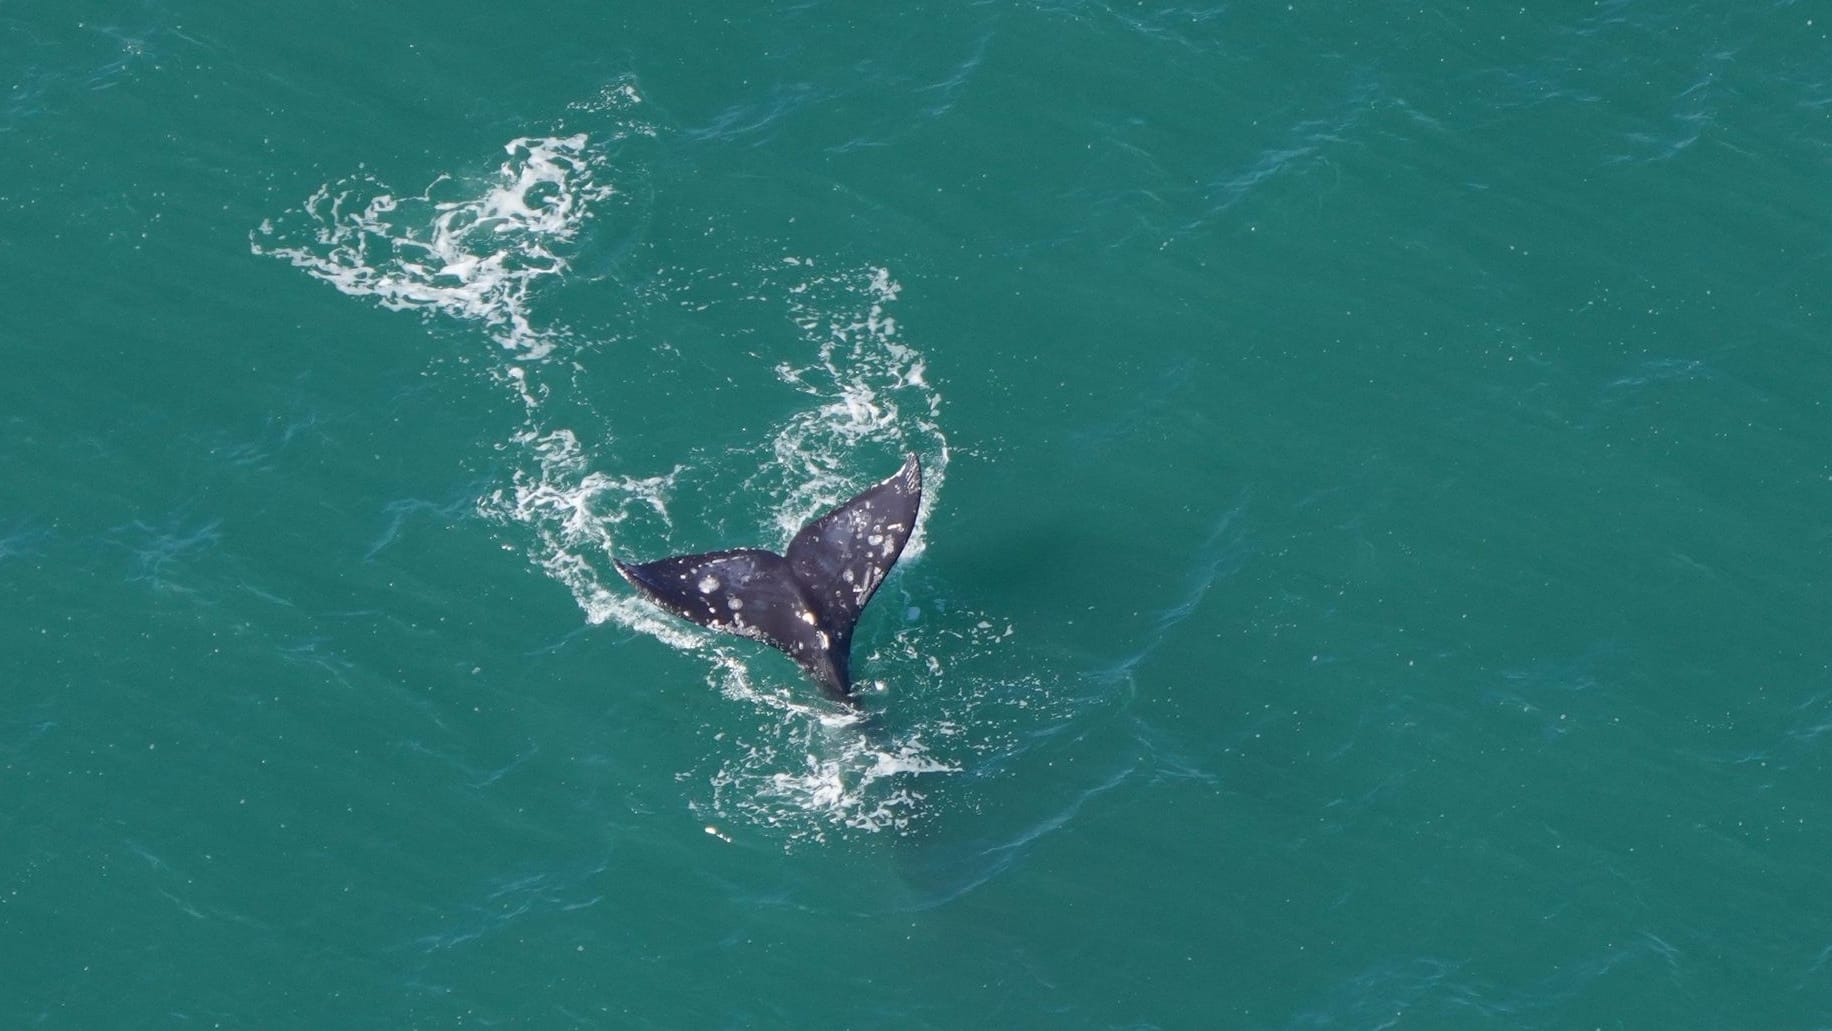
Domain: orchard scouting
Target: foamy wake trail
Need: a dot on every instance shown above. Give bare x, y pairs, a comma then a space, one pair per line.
477, 258
482, 252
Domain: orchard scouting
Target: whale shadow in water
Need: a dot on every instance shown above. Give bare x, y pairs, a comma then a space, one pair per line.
806, 602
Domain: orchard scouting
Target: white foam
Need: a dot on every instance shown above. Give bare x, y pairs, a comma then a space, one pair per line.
574, 511
868, 391
810, 780
476, 251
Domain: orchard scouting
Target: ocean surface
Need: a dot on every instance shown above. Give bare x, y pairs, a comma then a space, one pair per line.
1374, 571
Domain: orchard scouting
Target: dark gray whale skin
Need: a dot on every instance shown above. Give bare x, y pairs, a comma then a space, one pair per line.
804, 603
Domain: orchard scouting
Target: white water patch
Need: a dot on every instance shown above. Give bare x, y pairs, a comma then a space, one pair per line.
846, 780
869, 391
476, 252
573, 511
809, 771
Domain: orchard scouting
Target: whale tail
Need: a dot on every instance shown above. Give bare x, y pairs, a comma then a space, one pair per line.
804, 603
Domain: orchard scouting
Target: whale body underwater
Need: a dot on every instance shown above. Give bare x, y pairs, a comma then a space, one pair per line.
805, 602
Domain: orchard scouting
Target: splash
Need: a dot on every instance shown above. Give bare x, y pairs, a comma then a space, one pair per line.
867, 388
573, 511
808, 771
848, 782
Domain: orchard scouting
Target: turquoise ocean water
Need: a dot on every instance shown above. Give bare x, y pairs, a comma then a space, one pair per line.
1374, 574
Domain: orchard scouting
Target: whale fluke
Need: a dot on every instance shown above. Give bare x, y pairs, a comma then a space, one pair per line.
804, 603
